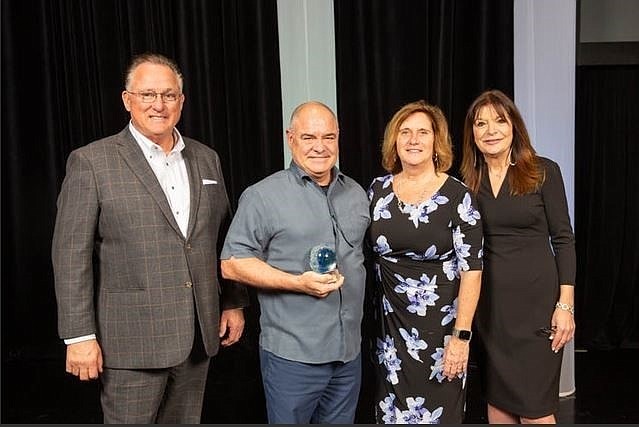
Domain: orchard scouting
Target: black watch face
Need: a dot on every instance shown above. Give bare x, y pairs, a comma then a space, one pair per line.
464, 335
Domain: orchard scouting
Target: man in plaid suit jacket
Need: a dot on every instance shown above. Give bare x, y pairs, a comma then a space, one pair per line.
135, 258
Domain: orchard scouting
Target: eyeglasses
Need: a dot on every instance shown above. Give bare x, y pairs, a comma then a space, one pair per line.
546, 331
148, 96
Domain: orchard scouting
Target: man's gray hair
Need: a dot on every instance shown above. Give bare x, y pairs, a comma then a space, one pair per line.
152, 58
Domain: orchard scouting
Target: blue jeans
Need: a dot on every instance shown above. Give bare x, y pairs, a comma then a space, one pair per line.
303, 393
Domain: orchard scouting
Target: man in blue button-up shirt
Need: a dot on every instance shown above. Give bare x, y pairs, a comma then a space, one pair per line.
310, 322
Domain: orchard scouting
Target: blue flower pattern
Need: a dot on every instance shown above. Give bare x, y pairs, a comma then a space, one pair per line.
381, 245
415, 414
467, 212
387, 354
421, 293
381, 207
419, 212
415, 291
451, 312
392, 414
388, 308
413, 343
431, 253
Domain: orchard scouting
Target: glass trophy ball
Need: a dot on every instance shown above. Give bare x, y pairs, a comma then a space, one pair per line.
323, 259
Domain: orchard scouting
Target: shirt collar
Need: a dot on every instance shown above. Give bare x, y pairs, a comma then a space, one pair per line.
148, 146
301, 174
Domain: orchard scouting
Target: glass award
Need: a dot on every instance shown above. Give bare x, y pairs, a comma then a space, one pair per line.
323, 259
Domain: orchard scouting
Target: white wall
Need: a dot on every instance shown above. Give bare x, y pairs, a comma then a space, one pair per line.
307, 56
544, 61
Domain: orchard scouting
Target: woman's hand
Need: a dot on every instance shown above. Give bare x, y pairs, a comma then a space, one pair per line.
455, 358
563, 325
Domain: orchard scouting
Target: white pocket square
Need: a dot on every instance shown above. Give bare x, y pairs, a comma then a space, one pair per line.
208, 181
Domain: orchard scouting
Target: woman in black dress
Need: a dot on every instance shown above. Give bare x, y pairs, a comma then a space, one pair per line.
525, 313
426, 234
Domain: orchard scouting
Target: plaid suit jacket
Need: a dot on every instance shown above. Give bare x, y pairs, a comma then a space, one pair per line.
124, 271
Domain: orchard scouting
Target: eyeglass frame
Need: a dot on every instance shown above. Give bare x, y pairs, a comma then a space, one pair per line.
163, 96
546, 331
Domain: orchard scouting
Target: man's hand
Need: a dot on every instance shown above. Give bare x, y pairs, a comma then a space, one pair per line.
231, 325
320, 285
84, 360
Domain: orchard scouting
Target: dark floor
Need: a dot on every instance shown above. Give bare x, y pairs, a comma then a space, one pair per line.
602, 396
40, 392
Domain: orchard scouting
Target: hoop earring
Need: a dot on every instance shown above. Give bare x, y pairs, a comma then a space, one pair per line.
510, 162
476, 155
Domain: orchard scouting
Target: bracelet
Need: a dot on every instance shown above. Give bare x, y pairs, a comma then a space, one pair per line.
565, 307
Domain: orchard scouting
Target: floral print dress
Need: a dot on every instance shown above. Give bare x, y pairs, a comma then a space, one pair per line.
419, 252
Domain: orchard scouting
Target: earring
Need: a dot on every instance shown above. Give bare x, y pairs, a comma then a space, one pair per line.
510, 162
436, 160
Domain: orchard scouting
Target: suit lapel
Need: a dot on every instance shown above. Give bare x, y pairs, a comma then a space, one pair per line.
133, 156
195, 185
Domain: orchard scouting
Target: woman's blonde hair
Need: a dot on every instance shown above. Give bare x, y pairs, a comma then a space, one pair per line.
442, 147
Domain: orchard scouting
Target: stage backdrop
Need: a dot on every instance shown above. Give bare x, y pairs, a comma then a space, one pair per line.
62, 65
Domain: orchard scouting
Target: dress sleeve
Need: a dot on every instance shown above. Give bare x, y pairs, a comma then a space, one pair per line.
562, 238
371, 190
468, 238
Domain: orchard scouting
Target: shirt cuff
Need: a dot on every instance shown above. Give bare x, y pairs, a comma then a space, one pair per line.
79, 339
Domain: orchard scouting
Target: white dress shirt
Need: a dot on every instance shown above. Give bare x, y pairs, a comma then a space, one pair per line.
170, 170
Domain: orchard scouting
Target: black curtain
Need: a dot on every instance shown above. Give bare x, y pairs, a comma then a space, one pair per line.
607, 206
62, 71
390, 53
62, 75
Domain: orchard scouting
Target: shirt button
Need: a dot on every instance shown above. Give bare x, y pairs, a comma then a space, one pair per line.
188, 284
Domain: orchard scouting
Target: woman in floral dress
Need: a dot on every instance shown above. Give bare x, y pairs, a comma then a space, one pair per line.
427, 237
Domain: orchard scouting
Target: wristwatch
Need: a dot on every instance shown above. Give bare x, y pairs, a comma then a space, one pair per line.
462, 334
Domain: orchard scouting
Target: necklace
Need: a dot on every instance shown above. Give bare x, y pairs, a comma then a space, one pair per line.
422, 196
499, 174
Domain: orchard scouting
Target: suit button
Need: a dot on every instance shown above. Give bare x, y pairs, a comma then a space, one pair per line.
188, 284
188, 246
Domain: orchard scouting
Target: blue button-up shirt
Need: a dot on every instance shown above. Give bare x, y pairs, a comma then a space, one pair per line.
279, 220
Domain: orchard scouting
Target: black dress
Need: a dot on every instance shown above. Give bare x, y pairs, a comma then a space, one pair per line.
419, 254
520, 288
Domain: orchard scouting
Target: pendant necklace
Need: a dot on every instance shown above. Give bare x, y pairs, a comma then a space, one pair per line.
422, 197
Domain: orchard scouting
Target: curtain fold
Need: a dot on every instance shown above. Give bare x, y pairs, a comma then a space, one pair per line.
607, 206
63, 66
392, 53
